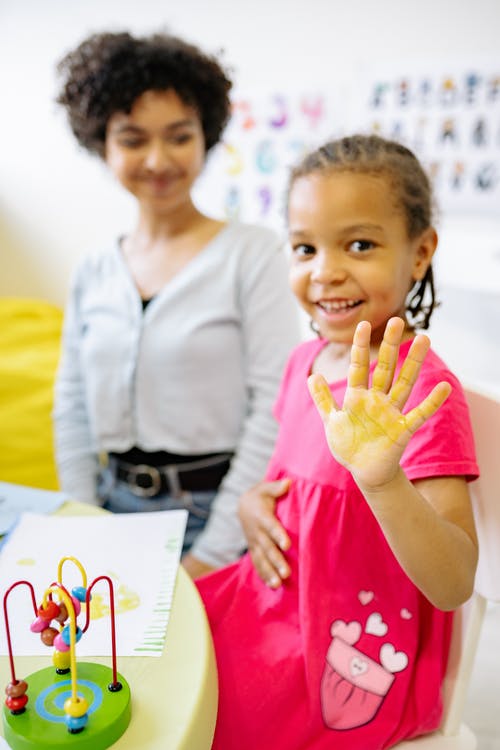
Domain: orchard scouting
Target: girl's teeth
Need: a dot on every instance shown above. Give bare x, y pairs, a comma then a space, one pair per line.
330, 306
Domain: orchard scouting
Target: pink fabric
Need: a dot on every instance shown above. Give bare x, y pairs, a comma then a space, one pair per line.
347, 654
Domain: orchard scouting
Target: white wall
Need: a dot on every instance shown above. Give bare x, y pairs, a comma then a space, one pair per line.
56, 202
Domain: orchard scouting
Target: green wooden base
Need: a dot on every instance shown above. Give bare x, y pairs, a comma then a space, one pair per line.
42, 726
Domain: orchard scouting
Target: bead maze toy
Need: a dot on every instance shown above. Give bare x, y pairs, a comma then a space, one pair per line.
86, 705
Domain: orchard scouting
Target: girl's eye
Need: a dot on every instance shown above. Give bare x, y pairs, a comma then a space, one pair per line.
303, 250
360, 246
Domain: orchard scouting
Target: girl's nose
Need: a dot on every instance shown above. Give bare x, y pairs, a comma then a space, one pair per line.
328, 268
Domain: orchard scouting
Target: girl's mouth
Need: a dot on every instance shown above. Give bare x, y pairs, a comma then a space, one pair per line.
338, 305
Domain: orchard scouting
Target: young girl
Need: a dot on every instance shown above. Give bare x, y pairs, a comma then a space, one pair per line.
349, 652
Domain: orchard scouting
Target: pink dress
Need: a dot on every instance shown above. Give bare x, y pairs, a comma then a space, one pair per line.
347, 654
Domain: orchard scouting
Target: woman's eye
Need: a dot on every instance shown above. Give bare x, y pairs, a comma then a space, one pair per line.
181, 138
360, 246
131, 142
303, 250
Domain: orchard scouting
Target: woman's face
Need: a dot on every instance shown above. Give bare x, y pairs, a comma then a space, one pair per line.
157, 150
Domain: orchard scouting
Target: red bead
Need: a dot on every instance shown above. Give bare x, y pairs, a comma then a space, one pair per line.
16, 704
48, 636
50, 611
16, 689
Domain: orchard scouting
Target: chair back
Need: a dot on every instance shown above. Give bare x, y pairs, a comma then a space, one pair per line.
485, 494
485, 416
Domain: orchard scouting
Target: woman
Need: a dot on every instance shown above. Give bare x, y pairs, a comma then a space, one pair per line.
175, 338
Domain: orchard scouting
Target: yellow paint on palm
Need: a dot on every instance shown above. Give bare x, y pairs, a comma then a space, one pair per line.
321, 394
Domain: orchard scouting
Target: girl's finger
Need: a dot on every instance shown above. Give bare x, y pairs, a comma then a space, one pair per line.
321, 395
383, 373
421, 413
359, 368
410, 369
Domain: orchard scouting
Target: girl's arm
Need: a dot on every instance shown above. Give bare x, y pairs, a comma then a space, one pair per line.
428, 523
430, 528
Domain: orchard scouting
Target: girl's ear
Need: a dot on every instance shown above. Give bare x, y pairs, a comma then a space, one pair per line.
425, 247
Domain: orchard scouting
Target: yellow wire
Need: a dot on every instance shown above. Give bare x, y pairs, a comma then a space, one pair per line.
78, 565
72, 632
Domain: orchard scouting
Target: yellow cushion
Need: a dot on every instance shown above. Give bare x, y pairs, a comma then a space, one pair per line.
30, 333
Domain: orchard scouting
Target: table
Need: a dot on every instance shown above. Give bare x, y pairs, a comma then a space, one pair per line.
175, 696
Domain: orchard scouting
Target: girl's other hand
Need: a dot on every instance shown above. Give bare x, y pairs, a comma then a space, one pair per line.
266, 537
370, 432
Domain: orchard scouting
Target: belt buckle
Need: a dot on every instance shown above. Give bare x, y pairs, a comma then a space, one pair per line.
153, 473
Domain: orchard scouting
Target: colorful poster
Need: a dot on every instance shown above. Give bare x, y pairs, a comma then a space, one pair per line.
449, 114
246, 176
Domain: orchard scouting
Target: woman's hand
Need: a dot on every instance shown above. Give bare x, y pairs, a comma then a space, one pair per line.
266, 537
369, 433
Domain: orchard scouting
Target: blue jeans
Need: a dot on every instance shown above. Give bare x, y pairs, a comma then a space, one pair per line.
117, 497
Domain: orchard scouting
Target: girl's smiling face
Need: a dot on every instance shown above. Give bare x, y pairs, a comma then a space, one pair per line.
352, 258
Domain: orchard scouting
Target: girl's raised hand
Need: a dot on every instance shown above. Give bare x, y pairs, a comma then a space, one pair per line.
369, 433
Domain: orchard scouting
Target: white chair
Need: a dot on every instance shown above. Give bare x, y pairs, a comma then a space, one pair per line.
453, 733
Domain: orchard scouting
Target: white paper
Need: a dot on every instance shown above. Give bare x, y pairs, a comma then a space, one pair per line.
140, 553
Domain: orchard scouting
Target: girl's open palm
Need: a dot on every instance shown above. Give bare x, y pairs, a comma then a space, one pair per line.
369, 433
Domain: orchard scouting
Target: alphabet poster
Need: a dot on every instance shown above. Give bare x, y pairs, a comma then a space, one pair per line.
447, 112
449, 115
247, 174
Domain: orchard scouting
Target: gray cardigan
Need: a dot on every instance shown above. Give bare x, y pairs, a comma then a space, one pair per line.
196, 372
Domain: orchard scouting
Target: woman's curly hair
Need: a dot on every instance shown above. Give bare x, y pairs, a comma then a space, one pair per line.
107, 72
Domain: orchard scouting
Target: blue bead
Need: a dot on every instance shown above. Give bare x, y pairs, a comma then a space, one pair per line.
80, 592
66, 636
74, 723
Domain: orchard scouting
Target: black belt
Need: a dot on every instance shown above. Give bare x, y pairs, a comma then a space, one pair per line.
174, 479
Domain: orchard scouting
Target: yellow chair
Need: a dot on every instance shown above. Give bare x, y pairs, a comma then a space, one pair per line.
30, 333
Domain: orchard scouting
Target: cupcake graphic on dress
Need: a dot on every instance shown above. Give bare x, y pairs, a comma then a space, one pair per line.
354, 685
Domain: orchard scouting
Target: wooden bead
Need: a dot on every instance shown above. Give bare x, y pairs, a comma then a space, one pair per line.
59, 644
75, 724
16, 689
50, 611
66, 635
48, 636
16, 704
38, 625
61, 660
79, 592
76, 605
63, 613
76, 708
